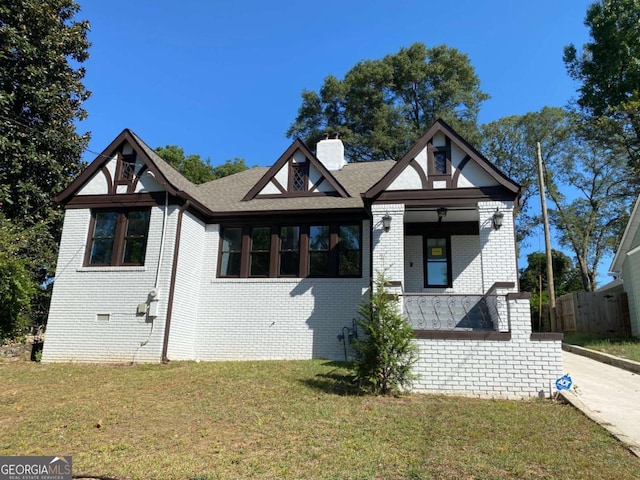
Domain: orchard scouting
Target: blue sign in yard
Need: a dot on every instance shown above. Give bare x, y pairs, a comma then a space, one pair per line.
564, 382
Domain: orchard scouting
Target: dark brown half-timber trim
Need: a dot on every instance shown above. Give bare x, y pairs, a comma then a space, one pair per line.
546, 336
134, 185
278, 185
298, 194
120, 200
441, 126
284, 159
314, 187
456, 176
172, 286
461, 335
105, 171
451, 195
433, 229
423, 177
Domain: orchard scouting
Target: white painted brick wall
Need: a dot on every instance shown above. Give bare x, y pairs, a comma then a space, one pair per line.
388, 247
498, 247
186, 300
80, 293
276, 318
486, 368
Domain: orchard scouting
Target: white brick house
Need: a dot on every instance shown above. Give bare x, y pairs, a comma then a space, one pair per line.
272, 263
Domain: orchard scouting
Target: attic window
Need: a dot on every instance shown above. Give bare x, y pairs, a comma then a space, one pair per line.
299, 175
440, 162
127, 169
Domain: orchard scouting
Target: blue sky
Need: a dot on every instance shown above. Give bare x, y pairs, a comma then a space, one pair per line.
223, 79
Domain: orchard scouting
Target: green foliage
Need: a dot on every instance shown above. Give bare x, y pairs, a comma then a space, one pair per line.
194, 168
566, 278
387, 352
17, 286
41, 97
609, 70
382, 106
587, 180
510, 143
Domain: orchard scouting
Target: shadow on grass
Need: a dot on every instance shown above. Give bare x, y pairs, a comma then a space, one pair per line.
338, 381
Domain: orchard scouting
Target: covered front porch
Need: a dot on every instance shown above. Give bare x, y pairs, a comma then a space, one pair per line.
452, 266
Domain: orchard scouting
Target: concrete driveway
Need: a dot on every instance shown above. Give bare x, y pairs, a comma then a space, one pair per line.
608, 395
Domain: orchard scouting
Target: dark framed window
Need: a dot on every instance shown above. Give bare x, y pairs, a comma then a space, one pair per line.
231, 252
348, 250
319, 250
332, 250
298, 177
118, 237
260, 252
437, 254
289, 251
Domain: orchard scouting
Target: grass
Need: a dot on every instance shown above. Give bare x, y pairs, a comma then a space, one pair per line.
628, 348
227, 420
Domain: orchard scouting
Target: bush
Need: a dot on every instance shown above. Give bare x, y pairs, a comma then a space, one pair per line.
387, 351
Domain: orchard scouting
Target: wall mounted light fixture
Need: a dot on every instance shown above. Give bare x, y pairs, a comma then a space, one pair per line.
442, 212
386, 222
498, 216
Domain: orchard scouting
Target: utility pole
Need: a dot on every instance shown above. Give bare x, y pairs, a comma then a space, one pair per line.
547, 244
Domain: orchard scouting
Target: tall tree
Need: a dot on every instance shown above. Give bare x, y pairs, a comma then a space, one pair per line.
609, 71
382, 106
194, 168
510, 143
590, 187
41, 97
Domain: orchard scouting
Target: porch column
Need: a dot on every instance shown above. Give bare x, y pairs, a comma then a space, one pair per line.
388, 247
498, 246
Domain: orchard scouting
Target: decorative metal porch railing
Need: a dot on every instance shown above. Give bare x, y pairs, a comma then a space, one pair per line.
456, 312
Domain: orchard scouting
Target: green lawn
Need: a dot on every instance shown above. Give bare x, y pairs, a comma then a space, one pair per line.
296, 420
628, 348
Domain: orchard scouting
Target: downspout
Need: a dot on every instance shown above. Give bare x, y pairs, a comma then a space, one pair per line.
164, 234
172, 287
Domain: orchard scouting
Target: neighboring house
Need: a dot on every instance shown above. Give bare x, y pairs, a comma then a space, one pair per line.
272, 263
626, 266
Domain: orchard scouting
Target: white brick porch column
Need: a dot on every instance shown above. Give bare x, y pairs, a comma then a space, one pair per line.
388, 247
498, 247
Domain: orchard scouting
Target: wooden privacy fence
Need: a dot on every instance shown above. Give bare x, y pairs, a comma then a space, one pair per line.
593, 313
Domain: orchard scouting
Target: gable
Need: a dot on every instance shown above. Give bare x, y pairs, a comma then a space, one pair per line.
297, 172
440, 163
630, 239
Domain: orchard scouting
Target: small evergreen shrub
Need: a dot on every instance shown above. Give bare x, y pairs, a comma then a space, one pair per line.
387, 350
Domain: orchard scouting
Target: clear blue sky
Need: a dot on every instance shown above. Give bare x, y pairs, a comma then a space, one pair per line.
223, 79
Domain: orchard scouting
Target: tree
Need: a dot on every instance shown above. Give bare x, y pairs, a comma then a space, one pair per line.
194, 168
382, 106
510, 143
591, 187
387, 352
41, 97
566, 278
609, 69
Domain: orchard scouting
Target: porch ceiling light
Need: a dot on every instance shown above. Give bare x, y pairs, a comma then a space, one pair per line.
442, 212
498, 216
386, 222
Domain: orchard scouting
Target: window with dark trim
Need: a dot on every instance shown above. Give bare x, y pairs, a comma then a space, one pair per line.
289, 251
437, 268
299, 177
260, 251
348, 250
231, 252
118, 237
319, 250
332, 250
